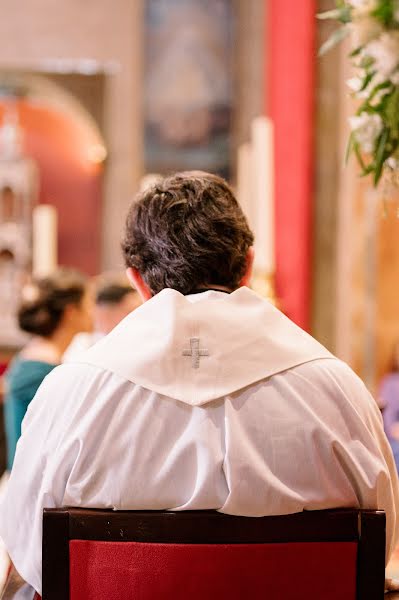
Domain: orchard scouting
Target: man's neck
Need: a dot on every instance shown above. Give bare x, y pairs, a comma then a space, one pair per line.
206, 288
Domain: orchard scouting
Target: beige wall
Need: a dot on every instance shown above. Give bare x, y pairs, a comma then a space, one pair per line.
356, 247
327, 164
104, 30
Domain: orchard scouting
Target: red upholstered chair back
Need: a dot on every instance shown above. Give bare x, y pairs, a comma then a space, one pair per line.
197, 555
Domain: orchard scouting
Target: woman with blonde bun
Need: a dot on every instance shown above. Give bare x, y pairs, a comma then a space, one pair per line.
53, 310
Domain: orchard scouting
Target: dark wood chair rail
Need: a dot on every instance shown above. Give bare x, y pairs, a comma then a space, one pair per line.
62, 525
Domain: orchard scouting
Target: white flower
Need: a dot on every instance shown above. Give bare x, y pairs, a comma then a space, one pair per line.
378, 96
362, 7
395, 78
369, 4
366, 129
385, 53
364, 94
354, 84
392, 163
364, 29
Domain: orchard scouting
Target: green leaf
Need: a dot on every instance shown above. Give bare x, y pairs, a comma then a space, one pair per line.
334, 39
369, 76
342, 14
358, 154
355, 52
391, 110
335, 13
367, 170
384, 12
380, 155
349, 147
367, 107
381, 86
366, 62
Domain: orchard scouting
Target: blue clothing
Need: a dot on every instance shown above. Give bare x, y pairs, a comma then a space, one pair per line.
23, 379
389, 395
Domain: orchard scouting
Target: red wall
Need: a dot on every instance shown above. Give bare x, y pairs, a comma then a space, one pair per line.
68, 180
290, 48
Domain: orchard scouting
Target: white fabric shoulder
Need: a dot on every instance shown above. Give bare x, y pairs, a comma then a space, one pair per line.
198, 350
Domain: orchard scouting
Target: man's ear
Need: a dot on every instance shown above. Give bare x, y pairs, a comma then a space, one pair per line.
138, 283
248, 269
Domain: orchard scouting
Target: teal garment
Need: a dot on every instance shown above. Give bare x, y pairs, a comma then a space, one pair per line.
23, 379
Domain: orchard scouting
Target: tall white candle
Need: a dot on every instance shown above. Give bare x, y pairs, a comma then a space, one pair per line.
245, 181
263, 185
44, 239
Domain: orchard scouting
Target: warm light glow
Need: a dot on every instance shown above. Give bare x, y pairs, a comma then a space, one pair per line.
96, 153
263, 181
44, 240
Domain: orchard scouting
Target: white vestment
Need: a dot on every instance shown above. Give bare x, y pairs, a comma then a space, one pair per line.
80, 343
211, 401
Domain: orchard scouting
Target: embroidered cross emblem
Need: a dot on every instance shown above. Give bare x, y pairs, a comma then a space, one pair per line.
195, 352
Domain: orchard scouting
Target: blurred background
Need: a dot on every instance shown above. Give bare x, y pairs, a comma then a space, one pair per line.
96, 95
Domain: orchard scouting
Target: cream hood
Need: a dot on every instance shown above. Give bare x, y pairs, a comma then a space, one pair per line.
198, 348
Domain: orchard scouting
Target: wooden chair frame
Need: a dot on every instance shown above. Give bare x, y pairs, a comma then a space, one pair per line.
210, 527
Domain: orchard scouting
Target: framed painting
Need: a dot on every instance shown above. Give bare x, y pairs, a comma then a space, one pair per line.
188, 85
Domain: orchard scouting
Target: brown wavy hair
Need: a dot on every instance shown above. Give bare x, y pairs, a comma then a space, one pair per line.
41, 311
187, 231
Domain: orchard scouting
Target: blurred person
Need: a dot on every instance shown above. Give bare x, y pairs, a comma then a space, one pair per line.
53, 310
205, 397
3, 447
388, 400
114, 300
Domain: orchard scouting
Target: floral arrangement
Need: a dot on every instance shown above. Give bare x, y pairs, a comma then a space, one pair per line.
374, 28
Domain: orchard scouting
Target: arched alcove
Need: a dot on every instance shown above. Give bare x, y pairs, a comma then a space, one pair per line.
64, 140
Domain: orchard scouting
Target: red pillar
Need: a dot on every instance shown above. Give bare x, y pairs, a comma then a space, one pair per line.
290, 49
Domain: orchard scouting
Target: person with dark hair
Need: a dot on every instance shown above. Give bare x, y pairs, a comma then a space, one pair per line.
53, 310
114, 300
205, 397
186, 234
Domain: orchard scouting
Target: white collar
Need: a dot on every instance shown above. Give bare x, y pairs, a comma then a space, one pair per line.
198, 348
